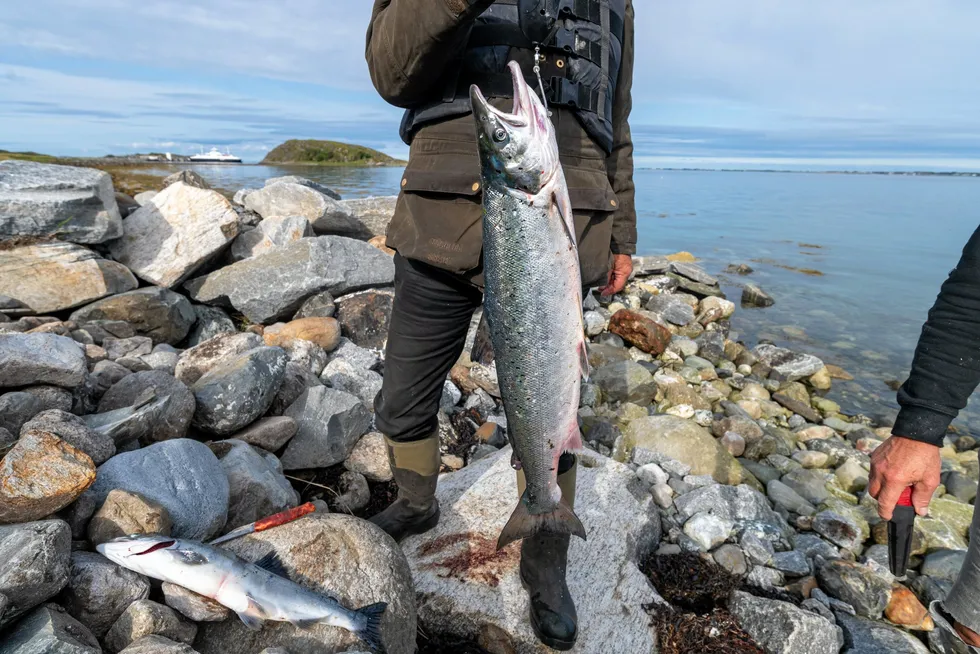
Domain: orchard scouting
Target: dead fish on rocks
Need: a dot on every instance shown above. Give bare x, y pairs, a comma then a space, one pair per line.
257, 591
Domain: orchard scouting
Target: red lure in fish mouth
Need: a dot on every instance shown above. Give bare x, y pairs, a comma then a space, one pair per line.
159, 546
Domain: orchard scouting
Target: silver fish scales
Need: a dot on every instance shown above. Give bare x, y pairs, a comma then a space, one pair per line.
532, 301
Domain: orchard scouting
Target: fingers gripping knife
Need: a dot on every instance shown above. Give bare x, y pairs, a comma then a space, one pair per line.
900, 534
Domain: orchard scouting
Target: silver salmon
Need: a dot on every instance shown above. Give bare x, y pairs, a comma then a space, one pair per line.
532, 301
255, 591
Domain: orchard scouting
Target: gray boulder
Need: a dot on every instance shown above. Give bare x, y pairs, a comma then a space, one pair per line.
738, 504
257, 487
197, 361
172, 419
34, 565
27, 359
49, 630
271, 233
334, 554
73, 430
855, 584
791, 365
161, 314
365, 384
302, 181
625, 381
239, 390
321, 305
671, 308
181, 475
269, 433
272, 287
329, 424
781, 628
863, 636
287, 198
370, 215
74, 204
16, 409
36, 275
145, 618
155, 644
211, 321
174, 234
99, 591
296, 381
188, 177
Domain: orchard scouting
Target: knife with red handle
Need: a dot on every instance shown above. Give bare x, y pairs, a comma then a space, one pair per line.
900, 529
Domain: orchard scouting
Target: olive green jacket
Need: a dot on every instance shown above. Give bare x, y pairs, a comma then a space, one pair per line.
438, 215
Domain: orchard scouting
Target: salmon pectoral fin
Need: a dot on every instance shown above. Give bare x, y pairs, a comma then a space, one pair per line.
252, 622
523, 524
574, 442
253, 615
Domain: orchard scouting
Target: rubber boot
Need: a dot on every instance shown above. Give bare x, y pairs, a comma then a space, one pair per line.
544, 558
415, 467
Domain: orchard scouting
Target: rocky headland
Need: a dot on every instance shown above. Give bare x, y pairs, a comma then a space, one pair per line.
182, 363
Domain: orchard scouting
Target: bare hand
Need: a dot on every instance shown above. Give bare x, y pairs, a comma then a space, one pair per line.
899, 463
622, 268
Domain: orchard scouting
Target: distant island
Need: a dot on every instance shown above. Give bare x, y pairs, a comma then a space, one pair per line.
327, 153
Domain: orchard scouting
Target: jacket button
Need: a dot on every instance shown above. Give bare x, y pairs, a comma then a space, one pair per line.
476, 187
404, 182
613, 203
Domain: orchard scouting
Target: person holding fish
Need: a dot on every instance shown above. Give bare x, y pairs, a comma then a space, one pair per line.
519, 203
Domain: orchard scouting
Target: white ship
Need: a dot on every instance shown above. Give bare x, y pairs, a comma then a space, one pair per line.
214, 156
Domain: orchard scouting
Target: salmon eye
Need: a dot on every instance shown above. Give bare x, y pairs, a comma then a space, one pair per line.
499, 134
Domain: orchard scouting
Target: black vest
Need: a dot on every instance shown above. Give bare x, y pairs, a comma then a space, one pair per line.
580, 71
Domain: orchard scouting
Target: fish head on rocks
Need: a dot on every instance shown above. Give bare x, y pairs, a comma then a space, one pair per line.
154, 555
518, 150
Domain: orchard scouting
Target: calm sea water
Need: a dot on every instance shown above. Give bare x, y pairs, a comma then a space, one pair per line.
882, 244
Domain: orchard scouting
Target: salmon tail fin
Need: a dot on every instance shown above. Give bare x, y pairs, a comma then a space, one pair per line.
522, 524
371, 633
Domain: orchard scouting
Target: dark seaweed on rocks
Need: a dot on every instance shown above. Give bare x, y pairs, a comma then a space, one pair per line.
690, 582
715, 633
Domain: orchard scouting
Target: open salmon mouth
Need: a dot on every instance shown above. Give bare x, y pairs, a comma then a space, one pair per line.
158, 546
521, 111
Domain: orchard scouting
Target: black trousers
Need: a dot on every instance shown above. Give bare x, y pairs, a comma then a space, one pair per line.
430, 318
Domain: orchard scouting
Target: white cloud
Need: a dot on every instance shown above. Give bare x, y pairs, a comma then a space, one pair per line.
317, 41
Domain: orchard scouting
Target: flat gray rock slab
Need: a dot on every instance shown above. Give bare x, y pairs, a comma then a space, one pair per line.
175, 233
27, 359
76, 204
49, 630
55, 276
465, 586
34, 564
274, 286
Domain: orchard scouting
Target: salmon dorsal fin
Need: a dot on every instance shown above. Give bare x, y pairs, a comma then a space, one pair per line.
272, 564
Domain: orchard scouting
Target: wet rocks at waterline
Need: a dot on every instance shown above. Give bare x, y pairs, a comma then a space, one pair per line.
188, 395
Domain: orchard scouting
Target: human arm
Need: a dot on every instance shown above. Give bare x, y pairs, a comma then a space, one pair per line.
619, 167
945, 372
410, 43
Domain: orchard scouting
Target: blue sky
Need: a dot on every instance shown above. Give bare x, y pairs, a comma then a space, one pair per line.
838, 83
